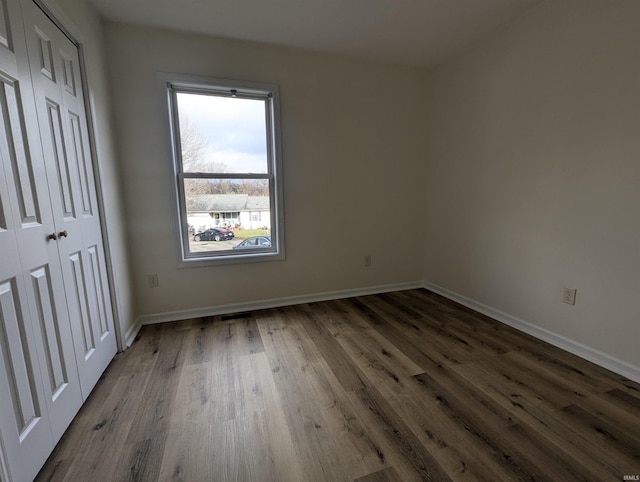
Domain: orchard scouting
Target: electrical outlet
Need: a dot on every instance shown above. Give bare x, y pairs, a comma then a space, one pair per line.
569, 296
152, 280
367, 260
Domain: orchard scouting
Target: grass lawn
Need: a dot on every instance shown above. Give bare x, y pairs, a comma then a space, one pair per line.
247, 233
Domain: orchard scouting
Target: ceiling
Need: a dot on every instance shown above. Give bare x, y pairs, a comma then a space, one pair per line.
410, 32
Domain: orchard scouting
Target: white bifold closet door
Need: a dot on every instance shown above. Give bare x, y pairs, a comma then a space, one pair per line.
56, 323
67, 154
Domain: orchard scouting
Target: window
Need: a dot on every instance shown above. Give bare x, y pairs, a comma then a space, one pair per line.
227, 169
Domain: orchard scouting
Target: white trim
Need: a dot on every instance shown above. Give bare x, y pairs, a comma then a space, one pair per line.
4, 469
616, 365
61, 20
273, 303
168, 84
131, 334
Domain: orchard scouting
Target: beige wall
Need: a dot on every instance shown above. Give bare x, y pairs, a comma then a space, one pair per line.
534, 173
522, 159
85, 25
351, 135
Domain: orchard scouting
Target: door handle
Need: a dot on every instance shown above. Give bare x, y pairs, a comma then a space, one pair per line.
52, 237
63, 234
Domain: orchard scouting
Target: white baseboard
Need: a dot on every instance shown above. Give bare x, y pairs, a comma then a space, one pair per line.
602, 359
272, 303
131, 334
599, 358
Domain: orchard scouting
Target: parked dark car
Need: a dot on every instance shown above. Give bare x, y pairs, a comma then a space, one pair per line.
214, 234
255, 242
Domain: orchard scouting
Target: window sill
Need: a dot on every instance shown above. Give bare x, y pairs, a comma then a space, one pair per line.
231, 259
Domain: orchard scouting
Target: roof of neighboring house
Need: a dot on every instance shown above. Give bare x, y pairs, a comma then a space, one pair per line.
226, 203
219, 203
257, 203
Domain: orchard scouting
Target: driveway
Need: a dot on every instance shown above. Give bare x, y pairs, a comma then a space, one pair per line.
199, 246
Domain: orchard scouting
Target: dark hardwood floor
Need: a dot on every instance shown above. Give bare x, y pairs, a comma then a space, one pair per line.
401, 386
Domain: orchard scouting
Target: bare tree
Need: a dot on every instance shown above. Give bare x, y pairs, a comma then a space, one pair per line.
193, 146
194, 159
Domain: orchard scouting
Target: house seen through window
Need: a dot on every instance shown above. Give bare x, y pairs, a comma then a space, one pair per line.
227, 170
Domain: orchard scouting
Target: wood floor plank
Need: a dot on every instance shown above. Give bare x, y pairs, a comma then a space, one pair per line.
143, 448
403, 386
505, 443
366, 449
198, 344
624, 401
549, 422
388, 474
608, 433
408, 343
248, 337
223, 387
266, 426
294, 381
467, 341
399, 434
375, 354
440, 345
457, 452
338, 360
185, 450
354, 445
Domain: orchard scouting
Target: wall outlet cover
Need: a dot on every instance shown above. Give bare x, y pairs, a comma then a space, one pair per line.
569, 296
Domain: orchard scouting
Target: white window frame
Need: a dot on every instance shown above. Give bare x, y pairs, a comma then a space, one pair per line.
173, 83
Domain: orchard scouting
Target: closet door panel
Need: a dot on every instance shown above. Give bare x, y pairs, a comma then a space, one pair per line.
39, 383
4, 25
63, 125
86, 205
56, 374
6, 12
59, 157
24, 419
82, 302
24, 422
16, 352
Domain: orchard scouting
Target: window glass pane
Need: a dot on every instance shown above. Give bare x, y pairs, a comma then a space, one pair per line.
227, 214
222, 134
